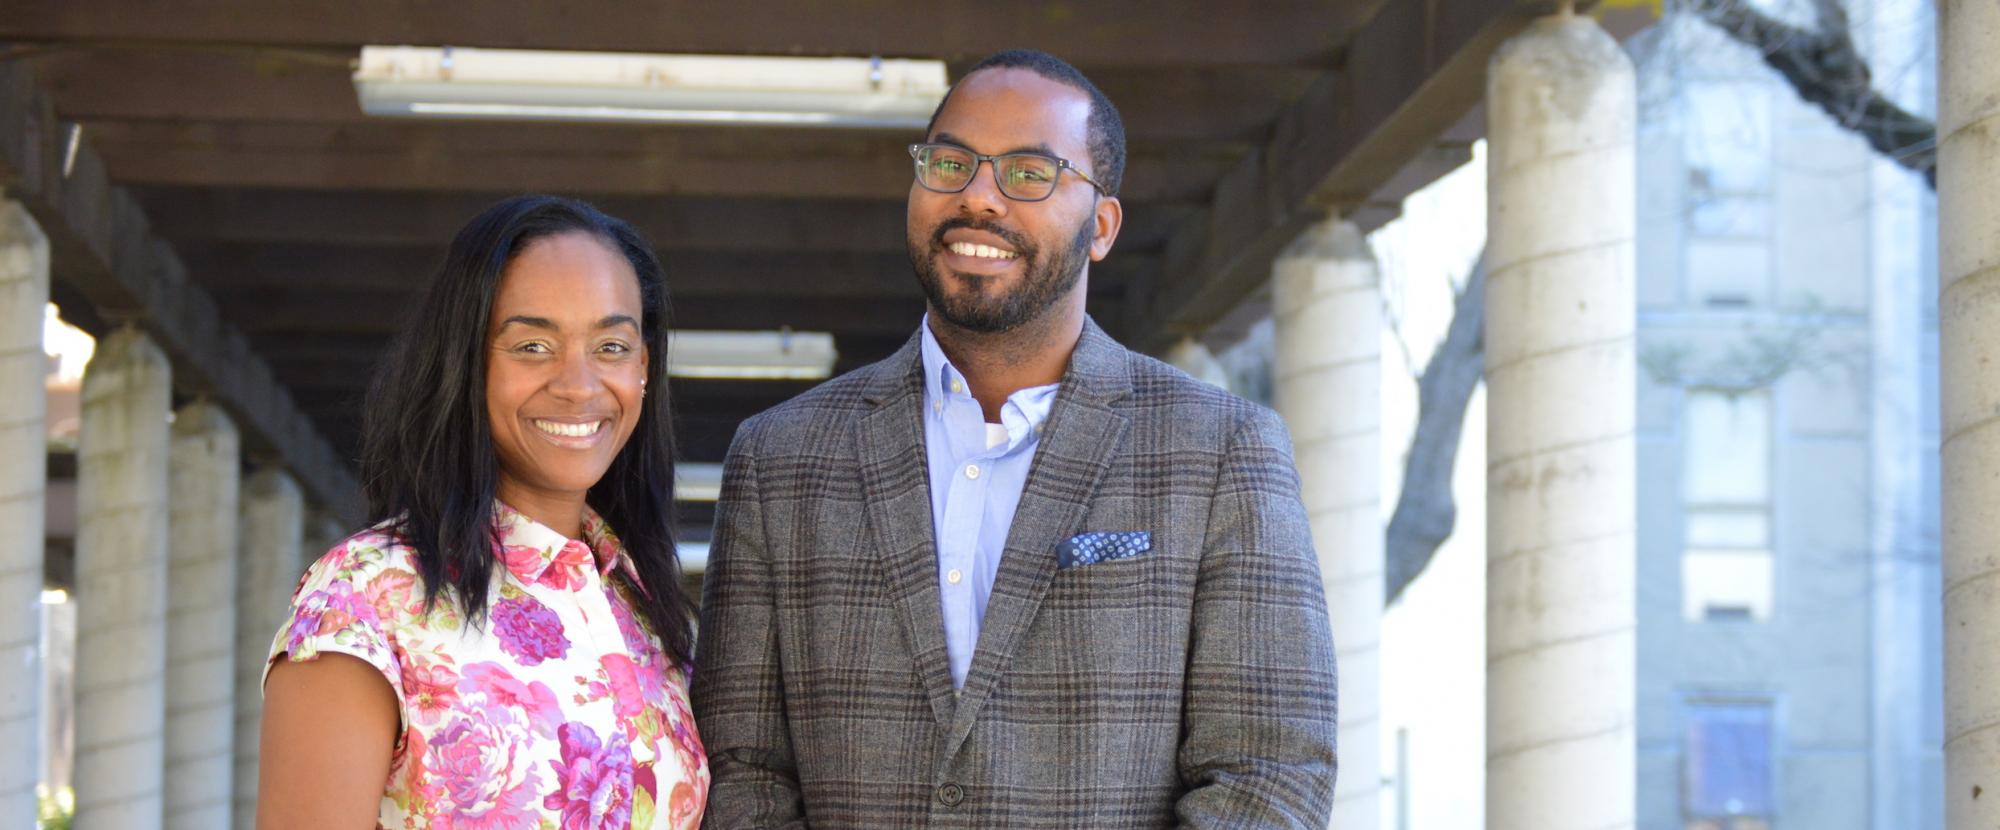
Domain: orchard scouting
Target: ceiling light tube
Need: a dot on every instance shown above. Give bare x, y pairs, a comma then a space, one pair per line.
751, 355
522, 84
693, 557
697, 481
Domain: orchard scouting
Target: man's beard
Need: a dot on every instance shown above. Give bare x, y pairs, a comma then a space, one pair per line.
1048, 279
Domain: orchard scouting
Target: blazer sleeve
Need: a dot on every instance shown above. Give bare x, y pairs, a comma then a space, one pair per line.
739, 693
1258, 746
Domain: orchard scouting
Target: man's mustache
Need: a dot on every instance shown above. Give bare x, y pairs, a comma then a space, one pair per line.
1015, 239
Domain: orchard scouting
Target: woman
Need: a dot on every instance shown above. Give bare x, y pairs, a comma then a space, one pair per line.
507, 646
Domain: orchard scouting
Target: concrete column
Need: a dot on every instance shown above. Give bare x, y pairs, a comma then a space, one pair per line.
121, 578
1561, 485
205, 469
1190, 356
267, 572
1969, 351
24, 293
1327, 383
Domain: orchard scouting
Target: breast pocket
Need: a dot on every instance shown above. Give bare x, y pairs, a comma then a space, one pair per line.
1121, 623
1113, 571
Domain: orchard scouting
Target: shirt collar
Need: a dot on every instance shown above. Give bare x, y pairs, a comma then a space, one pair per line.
533, 552
938, 371
1032, 403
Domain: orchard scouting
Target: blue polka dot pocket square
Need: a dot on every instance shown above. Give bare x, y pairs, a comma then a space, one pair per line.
1092, 548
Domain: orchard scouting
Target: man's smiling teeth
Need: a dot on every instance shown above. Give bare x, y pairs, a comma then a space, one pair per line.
988, 251
569, 430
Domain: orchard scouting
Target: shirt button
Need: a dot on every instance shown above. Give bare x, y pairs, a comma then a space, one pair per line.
951, 794
953, 576
956, 387
972, 471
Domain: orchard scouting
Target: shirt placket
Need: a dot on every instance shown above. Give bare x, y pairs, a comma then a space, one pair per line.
964, 516
588, 607
998, 508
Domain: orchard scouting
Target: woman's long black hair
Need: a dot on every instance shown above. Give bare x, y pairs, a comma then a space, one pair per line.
428, 463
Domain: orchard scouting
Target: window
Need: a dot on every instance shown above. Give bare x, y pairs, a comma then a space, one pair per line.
1729, 151
1726, 566
1726, 766
1729, 273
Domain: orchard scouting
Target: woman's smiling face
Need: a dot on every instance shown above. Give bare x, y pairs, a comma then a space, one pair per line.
565, 368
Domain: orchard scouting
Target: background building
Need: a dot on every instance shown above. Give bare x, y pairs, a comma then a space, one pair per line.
1788, 638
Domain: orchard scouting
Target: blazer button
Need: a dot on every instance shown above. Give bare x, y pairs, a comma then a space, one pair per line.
951, 794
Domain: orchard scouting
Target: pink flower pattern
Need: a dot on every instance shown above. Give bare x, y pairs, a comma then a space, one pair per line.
559, 711
595, 790
529, 630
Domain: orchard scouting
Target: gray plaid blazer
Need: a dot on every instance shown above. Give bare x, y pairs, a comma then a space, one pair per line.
1191, 685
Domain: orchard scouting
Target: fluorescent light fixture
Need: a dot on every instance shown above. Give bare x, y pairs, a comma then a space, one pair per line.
697, 481
693, 556
452, 82
751, 355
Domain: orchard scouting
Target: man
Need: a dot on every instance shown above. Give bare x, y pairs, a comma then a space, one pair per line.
1015, 576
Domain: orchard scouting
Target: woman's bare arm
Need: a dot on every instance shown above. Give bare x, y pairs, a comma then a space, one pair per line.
330, 728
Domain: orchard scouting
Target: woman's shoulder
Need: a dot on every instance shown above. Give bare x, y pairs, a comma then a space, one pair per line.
365, 557
371, 580
352, 600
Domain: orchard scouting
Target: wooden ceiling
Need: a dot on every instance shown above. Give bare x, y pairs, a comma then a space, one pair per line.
234, 128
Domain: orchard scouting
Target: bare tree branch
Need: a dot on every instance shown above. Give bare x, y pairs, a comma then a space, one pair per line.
1827, 70
1831, 15
1425, 511
1394, 321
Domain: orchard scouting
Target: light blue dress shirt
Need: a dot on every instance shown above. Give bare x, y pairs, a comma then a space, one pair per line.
977, 472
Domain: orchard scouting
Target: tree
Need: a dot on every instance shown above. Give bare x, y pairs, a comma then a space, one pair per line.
1824, 66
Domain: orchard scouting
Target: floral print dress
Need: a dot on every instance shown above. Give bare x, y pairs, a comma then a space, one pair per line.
560, 711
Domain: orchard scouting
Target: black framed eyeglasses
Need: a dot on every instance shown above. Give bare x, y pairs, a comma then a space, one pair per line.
1023, 177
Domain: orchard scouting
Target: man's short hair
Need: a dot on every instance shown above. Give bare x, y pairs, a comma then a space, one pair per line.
1107, 131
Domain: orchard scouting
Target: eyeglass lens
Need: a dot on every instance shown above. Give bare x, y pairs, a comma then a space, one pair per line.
1025, 176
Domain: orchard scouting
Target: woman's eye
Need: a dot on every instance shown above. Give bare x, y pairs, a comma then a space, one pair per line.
533, 347
615, 347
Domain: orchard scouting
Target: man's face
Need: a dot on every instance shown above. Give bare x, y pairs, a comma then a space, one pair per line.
988, 263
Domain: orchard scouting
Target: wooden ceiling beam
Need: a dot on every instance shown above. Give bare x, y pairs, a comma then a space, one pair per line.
253, 274
103, 250
1103, 32
141, 82
197, 217
241, 274
483, 158
317, 314
1409, 75
868, 317
359, 350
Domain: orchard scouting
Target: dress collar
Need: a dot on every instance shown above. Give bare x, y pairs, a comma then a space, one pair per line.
535, 553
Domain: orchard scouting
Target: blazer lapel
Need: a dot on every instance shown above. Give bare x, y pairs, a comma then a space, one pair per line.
1079, 441
897, 483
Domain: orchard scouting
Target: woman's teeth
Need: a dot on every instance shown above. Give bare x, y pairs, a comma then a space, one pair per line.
569, 430
988, 251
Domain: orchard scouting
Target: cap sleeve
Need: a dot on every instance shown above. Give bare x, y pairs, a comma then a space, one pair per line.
335, 610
